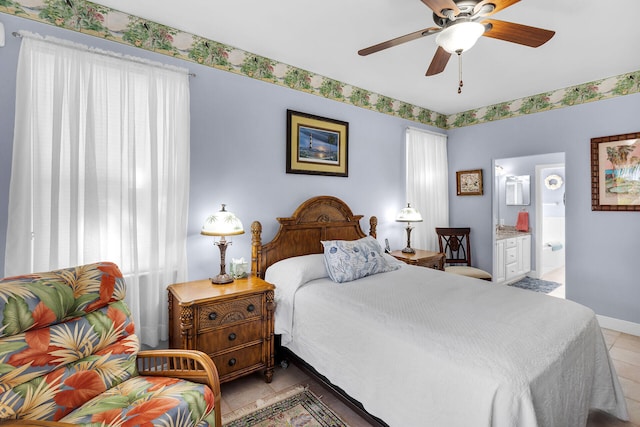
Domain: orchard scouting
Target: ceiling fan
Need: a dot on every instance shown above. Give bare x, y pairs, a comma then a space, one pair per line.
460, 23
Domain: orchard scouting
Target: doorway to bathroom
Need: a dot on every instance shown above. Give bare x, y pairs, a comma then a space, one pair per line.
545, 213
550, 221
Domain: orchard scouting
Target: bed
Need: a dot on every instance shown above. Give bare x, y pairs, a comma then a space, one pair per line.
417, 346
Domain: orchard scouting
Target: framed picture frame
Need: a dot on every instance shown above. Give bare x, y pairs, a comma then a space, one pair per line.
469, 183
317, 145
615, 172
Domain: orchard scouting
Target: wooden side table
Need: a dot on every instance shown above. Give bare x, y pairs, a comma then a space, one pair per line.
421, 258
232, 323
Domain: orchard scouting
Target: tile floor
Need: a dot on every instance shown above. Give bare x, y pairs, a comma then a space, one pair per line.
558, 277
623, 348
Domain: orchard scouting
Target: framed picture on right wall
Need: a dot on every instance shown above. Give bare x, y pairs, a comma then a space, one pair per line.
615, 173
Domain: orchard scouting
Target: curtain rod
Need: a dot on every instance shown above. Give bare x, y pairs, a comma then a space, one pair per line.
22, 34
427, 131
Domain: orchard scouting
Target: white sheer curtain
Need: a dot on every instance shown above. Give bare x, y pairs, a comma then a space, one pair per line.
427, 185
100, 170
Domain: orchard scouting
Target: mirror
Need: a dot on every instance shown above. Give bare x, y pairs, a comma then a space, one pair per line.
517, 190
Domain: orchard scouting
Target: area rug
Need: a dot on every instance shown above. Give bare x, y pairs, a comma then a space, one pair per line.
298, 407
536, 285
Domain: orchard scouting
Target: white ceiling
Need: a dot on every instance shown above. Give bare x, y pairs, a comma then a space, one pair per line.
593, 40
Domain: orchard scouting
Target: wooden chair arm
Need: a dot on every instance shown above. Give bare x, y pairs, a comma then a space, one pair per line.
190, 365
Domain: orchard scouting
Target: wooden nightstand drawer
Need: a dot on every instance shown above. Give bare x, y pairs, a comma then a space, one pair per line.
224, 313
219, 340
238, 360
232, 323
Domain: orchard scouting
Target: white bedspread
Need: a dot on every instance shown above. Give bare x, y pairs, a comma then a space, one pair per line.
419, 347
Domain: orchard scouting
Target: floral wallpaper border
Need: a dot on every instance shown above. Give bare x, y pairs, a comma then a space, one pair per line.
100, 21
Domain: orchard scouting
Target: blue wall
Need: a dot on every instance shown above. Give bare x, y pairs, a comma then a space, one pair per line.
602, 248
238, 158
238, 143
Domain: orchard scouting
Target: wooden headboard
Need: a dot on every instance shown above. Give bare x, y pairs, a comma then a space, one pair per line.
319, 218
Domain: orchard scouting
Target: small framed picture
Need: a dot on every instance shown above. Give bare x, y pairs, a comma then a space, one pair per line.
316, 145
469, 183
615, 173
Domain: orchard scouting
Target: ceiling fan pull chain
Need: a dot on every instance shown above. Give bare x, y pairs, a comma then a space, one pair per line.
460, 84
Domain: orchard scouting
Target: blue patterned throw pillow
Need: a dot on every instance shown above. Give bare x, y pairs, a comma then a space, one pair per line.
348, 260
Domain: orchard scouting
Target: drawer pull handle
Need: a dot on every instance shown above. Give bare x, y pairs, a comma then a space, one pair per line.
232, 362
232, 336
212, 315
251, 308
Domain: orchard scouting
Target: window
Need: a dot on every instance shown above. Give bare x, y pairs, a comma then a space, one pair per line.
101, 170
427, 185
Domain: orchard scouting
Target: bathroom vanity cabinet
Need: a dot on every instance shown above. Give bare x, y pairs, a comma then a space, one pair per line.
512, 258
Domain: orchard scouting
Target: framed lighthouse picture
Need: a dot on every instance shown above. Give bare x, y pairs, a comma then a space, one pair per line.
316, 145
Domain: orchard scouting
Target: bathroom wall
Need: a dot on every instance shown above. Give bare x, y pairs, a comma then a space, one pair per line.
553, 221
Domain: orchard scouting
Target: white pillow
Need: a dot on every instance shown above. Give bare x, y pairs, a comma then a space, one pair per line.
288, 275
296, 271
348, 260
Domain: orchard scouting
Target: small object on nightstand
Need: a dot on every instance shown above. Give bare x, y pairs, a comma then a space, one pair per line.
232, 323
421, 258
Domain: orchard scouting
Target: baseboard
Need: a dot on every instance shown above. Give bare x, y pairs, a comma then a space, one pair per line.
619, 325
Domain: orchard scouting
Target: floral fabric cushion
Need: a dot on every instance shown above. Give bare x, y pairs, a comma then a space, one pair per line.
150, 401
348, 260
39, 300
46, 373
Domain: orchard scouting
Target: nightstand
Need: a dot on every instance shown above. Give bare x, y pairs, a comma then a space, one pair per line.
421, 258
232, 323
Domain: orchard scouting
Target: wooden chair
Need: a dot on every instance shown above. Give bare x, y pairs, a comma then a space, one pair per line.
454, 243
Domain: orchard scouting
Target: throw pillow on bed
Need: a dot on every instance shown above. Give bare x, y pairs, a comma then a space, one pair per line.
348, 260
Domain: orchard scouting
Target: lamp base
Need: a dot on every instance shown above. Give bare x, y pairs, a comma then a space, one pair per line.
221, 279
408, 249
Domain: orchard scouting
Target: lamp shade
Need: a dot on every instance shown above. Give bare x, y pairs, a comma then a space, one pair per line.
222, 223
460, 36
409, 214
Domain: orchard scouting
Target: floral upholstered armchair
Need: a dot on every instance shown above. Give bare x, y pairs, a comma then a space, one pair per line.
69, 356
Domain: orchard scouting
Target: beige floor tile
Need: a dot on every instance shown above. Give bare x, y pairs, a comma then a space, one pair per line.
627, 370
285, 378
241, 392
631, 389
633, 407
557, 275
610, 337
628, 342
629, 356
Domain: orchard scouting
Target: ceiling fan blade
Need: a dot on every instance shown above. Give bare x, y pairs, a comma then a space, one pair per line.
439, 62
517, 33
438, 5
499, 5
398, 40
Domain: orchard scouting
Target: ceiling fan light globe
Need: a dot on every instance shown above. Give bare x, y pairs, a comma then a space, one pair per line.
460, 37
